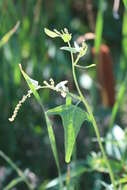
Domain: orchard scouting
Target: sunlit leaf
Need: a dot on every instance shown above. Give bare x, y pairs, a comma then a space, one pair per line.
32, 84
7, 36
51, 33
125, 187
125, 3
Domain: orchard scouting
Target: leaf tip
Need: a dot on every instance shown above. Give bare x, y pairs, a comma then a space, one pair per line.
20, 66
67, 159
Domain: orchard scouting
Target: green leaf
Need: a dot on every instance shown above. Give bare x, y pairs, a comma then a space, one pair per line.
72, 118
32, 84
53, 146
52, 140
125, 187
99, 26
51, 33
97, 163
8, 35
73, 50
125, 3
13, 183
118, 103
68, 100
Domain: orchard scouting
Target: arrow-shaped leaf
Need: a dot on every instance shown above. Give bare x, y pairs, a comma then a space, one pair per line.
72, 118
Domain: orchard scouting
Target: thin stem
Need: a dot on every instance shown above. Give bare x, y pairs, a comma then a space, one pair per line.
83, 99
68, 177
55, 157
86, 67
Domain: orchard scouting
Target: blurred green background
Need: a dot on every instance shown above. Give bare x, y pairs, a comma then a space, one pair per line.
26, 140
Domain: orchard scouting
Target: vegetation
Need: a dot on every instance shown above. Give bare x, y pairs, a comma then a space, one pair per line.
73, 105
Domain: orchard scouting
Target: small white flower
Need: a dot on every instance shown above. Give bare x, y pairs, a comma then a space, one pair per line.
61, 85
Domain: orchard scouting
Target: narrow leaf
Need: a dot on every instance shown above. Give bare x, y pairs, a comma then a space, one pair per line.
7, 36
52, 140
118, 103
99, 26
53, 146
13, 165
73, 50
51, 33
125, 3
13, 183
32, 84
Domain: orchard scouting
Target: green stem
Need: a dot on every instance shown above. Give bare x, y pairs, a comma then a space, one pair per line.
83, 99
68, 177
86, 67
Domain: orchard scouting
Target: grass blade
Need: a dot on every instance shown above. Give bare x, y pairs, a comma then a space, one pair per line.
31, 85
118, 102
13, 183
53, 146
19, 172
8, 35
99, 27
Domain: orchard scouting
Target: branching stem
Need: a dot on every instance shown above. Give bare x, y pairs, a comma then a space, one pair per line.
84, 101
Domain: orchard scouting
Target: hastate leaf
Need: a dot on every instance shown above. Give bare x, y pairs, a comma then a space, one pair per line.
72, 119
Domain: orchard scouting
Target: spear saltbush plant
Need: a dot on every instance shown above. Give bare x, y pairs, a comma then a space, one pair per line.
71, 114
